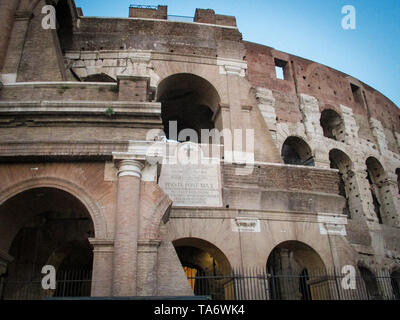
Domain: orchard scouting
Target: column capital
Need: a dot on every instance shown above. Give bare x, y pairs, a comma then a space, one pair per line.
129, 167
129, 164
102, 245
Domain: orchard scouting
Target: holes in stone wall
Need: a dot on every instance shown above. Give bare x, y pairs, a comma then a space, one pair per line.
339, 160
332, 125
376, 177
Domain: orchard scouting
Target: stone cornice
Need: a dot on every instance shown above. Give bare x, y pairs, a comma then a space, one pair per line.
80, 107
61, 149
218, 213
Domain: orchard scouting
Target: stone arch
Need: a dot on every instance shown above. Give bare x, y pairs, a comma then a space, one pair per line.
190, 100
99, 77
370, 281
155, 209
195, 70
305, 255
202, 261
36, 223
395, 281
294, 266
296, 151
347, 181
332, 125
377, 179
95, 211
206, 246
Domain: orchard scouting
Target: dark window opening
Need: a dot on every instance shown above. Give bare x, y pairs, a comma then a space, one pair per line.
395, 282
339, 161
376, 175
332, 125
99, 77
375, 201
281, 70
191, 102
64, 24
370, 283
296, 151
356, 93
304, 287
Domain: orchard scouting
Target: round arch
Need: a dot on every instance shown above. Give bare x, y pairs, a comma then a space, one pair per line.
95, 211
190, 100
341, 161
304, 255
292, 265
222, 263
332, 125
206, 266
376, 176
43, 225
297, 151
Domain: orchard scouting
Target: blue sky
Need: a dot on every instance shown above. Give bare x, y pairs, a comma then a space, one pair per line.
307, 28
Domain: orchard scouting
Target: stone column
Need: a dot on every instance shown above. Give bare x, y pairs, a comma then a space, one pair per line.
102, 267
234, 71
389, 198
126, 227
147, 267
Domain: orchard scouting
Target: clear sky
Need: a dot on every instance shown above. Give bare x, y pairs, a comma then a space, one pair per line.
307, 28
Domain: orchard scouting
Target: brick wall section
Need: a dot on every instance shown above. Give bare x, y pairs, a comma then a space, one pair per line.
160, 13
63, 92
284, 177
41, 59
7, 10
133, 88
182, 38
329, 86
205, 16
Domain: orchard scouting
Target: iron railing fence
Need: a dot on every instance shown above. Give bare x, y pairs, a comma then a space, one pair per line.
180, 18
258, 284
69, 283
240, 284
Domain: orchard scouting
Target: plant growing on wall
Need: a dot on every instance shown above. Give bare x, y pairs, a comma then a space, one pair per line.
110, 112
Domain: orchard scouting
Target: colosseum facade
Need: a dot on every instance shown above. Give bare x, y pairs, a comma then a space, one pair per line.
86, 125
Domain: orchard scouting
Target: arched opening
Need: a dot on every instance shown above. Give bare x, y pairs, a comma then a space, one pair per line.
191, 102
376, 177
46, 226
371, 285
332, 125
293, 266
296, 151
339, 160
64, 24
99, 77
206, 267
398, 179
395, 282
